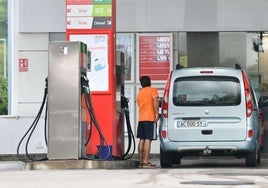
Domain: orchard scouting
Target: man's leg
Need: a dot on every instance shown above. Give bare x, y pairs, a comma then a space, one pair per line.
146, 150
141, 150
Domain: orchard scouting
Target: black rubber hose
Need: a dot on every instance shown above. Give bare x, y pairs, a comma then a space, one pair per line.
129, 130
93, 117
32, 127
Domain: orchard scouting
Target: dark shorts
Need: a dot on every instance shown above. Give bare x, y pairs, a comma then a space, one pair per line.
146, 130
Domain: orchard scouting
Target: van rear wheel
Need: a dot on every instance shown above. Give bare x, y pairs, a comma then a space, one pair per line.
176, 158
165, 159
259, 157
252, 158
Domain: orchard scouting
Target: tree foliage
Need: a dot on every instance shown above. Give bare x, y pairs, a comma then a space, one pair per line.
3, 81
3, 96
3, 18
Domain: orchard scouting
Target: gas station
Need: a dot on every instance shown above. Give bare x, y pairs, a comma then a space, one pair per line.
73, 71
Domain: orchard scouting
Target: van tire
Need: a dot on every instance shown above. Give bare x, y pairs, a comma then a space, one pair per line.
176, 159
165, 159
259, 157
252, 158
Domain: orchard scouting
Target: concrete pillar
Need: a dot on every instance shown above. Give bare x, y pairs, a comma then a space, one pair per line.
203, 49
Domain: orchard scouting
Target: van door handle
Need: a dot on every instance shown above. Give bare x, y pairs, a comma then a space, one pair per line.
206, 132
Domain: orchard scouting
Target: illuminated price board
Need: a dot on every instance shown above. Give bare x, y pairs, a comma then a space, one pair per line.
154, 55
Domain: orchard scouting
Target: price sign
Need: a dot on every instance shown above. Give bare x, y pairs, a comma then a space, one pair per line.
155, 55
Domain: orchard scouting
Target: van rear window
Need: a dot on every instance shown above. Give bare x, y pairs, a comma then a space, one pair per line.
206, 91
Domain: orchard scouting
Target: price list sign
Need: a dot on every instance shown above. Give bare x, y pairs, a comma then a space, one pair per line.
88, 14
154, 55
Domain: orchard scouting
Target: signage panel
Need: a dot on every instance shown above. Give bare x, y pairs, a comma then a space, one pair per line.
102, 2
78, 2
79, 10
80, 14
154, 55
102, 22
79, 22
102, 10
93, 22
23, 65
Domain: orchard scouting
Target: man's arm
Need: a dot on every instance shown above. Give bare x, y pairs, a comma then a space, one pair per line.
156, 108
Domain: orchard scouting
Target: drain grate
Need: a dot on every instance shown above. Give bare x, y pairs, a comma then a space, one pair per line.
219, 182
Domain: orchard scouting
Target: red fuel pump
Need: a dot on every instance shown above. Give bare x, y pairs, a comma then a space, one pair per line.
109, 134
94, 23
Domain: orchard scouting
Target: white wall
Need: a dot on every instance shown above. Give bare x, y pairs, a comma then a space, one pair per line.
26, 88
31, 84
41, 16
156, 15
12, 130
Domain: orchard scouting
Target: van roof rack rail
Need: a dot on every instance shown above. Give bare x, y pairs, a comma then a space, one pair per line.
179, 66
237, 66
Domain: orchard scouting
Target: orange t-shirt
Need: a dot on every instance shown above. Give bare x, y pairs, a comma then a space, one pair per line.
145, 100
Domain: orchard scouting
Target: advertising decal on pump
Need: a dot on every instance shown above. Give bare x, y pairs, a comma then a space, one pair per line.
98, 46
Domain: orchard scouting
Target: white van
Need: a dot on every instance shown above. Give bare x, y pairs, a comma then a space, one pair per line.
209, 111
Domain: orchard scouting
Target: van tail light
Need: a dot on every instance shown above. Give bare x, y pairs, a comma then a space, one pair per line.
250, 133
164, 134
165, 104
165, 97
249, 103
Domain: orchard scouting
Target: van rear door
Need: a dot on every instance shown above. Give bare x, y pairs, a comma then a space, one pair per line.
207, 106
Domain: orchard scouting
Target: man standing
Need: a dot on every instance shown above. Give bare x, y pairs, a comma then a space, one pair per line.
147, 100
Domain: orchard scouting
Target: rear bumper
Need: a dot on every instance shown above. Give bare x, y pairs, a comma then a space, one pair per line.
214, 147
211, 148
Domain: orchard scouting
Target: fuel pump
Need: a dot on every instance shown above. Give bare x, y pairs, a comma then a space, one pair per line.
70, 107
122, 106
68, 66
69, 110
68, 104
117, 144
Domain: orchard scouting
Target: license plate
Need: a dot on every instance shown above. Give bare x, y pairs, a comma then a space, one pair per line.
191, 123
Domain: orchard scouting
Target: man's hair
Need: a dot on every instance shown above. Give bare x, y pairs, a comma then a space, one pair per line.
145, 81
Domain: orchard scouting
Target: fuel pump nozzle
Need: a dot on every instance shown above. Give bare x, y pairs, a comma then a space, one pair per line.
84, 84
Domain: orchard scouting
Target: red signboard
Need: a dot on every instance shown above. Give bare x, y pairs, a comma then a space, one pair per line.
155, 56
78, 2
89, 14
23, 65
93, 23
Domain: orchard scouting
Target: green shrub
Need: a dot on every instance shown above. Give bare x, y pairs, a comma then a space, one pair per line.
3, 96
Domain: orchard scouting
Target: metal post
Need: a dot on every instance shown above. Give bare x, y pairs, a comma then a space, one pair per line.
5, 57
